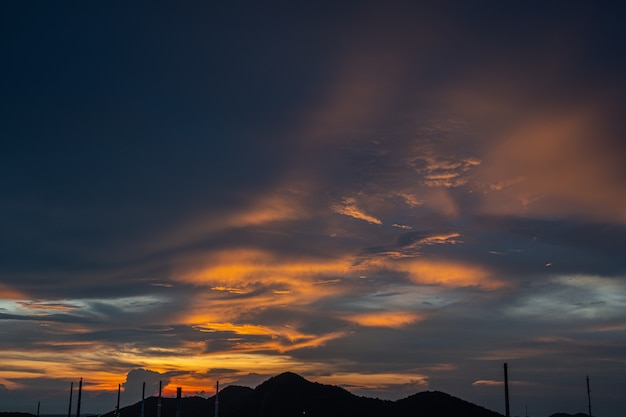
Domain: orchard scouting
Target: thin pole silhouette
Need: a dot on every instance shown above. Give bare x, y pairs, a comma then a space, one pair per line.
143, 396
80, 394
589, 395
217, 398
159, 400
69, 411
117, 407
506, 390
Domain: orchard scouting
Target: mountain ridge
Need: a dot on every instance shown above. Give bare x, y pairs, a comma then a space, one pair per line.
289, 394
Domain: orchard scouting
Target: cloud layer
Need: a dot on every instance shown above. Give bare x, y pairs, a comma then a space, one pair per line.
388, 198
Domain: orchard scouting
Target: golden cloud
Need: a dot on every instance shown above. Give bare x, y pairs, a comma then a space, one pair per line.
446, 273
247, 266
393, 319
348, 207
542, 159
245, 282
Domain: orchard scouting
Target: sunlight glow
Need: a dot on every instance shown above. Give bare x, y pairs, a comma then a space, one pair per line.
393, 319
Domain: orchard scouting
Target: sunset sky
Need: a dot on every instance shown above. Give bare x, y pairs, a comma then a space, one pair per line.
387, 196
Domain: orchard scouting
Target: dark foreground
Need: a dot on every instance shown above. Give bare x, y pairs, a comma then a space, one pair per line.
288, 395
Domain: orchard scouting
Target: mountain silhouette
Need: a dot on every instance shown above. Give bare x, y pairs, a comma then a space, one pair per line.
289, 394
569, 415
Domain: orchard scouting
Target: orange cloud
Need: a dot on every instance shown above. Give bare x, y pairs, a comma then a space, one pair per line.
245, 282
348, 207
62, 365
546, 160
444, 273
393, 319
281, 338
411, 199
243, 329
247, 270
286, 202
438, 171
9, 293
279, 345
445, 238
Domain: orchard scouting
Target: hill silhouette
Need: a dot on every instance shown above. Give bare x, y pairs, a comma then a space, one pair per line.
289, 394
569, 415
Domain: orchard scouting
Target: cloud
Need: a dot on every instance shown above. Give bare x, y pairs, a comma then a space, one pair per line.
395, 386
6, 292
348, 207
47, 306
393, 319
281, 338
578, 297
133, 385
487, 382
440, 171
549, 159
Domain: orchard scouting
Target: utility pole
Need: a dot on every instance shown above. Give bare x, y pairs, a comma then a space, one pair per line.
143, 396
159, 400
80, 394
589, 395
69, 411
117, 407
217, 398
506, 390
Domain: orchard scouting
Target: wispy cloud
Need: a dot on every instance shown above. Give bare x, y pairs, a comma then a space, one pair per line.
348, 207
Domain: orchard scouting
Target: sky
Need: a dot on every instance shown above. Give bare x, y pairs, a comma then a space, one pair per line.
387, 196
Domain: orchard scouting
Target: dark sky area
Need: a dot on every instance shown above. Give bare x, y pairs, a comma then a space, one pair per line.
387, 196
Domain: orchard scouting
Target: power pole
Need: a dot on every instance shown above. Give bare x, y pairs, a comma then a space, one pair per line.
506, 390
69, 411
117, 407
80, 394
217, 398
589, 395
143, 396
159, 400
